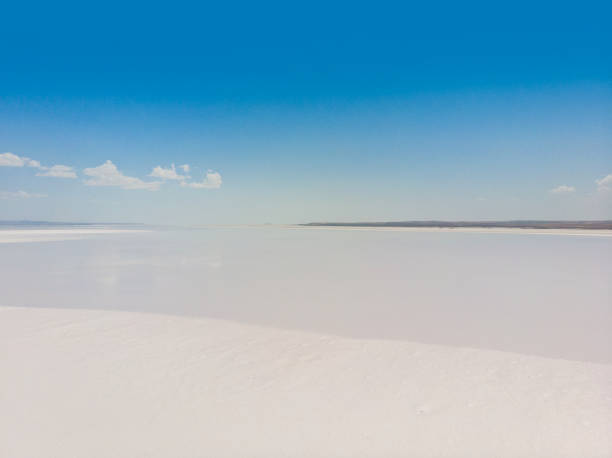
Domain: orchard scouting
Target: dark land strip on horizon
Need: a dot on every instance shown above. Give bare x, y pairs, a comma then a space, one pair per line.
527, 224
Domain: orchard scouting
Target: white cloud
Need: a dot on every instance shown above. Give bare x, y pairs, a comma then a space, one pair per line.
57, 171
12, 160
5, 195
168, 174
107, 174
185, 168
604, 184
563, 189
211, 181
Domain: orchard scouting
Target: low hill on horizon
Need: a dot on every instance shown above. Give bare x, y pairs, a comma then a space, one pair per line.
519, 224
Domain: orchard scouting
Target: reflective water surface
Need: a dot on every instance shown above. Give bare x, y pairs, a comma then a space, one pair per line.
548, 295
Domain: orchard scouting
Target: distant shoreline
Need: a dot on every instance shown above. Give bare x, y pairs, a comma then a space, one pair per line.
588, 225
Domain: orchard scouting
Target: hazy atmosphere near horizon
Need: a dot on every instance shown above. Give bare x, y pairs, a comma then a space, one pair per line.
306, 230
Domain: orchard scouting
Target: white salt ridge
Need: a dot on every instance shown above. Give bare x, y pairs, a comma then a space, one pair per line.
56, 235
118, 384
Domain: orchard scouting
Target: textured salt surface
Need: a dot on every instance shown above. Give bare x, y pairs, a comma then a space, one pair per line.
118, 384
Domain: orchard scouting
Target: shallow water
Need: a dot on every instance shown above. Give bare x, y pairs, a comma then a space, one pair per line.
548, 295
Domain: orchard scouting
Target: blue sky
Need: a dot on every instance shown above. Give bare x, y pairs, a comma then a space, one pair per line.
289, 112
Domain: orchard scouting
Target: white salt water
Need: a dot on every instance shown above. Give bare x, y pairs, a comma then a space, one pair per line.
538, 294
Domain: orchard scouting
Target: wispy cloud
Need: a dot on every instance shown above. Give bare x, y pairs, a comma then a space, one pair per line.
107, 174
9, 195
170, 173
605, 183
57, 171
12, 160
212, 180
185, 168
563, 189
